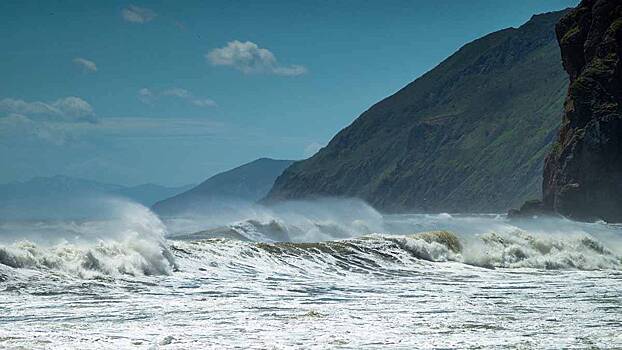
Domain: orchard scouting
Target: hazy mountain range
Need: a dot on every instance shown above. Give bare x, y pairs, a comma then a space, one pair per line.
249, 183
63, 196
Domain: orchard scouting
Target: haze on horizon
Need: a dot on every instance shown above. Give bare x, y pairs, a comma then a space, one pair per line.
133, 93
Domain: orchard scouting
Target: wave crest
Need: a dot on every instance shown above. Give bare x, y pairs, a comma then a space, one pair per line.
136, 258
130, 243
521, 249
130, 257
516, 249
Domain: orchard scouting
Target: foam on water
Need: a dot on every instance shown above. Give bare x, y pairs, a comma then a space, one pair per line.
309, 275
131, 241
480, 240
302, 221
402, 252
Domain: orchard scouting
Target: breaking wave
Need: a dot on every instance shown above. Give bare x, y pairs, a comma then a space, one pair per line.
130, 242
326, 229
311, 239
384, 253
134, 257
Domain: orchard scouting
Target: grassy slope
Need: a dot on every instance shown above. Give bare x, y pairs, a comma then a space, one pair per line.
470, 135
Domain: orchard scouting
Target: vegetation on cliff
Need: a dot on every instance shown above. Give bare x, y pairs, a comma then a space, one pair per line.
583, 172
468, 136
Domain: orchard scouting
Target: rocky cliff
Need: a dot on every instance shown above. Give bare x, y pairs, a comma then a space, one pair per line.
468, 136
583, 172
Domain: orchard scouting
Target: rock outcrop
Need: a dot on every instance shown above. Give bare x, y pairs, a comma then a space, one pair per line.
531, 209
583, 172
468, 136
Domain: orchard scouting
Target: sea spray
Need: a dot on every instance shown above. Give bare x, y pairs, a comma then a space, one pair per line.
486, 240
300, 221
462, 281
131, 241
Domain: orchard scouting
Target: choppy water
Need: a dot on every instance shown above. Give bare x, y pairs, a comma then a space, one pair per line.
346, 277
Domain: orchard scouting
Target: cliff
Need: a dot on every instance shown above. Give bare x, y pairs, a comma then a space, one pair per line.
583, 172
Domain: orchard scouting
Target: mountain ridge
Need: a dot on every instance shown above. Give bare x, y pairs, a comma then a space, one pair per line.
451, 139
248, 182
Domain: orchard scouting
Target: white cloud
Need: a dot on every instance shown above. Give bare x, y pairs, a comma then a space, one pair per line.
14, 121
137, 14
74, 107
68, 109
17, 128
85, 64
248, 58
206, 102
11, 105
292, 70
177, 92
147, 96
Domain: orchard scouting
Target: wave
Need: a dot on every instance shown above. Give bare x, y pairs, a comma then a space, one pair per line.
480, 240
517, 249
131, 242
133, 257
312, 238
373, 253
302, 221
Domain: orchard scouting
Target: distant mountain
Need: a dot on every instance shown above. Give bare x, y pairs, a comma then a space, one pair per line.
468, 136
67, 197
248, 183
149, 194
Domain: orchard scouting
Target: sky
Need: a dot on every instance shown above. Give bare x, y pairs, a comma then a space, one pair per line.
172, 92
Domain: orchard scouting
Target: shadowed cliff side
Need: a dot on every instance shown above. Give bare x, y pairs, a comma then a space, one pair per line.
468, 136
583, 172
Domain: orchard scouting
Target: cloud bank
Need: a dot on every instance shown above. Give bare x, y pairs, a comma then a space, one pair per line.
249, 58
21, 120
148, 96
67, 109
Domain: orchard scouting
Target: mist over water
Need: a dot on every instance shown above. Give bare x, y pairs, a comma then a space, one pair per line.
330, 273
126, 238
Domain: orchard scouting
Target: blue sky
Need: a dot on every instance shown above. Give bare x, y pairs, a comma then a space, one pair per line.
173, 92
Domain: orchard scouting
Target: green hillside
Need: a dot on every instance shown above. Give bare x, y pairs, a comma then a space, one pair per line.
468, 136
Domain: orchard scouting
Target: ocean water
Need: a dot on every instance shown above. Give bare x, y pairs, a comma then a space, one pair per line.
322, 275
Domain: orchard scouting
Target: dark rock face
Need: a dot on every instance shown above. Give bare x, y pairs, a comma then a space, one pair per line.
583, 172
468, 136
531, 208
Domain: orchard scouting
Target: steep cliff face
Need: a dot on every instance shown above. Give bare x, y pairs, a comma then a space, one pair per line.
470, 135
583, 172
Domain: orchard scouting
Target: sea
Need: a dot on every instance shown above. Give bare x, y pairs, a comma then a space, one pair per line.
327, 274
